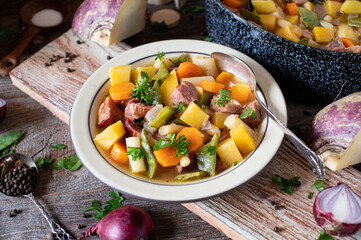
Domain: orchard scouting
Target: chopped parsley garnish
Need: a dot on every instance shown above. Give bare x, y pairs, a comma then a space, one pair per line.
44, 162
181, 107
235, 163
310, 195
324, 236
318, 185
303, 41
135, 153
141, 89
114, 203
196, 9
205, 107
106, 95
207, 39
72, 163
159, 56
211, 150
160, 27
224, 97
248, 112
286, 184
58, 146
180, 144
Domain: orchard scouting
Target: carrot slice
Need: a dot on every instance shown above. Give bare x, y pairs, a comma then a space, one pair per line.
347, 42
188, 69
119, 153
194, 136
233, 3
121, 91
211, 86
240, 93
166, 157
224, 78
291, 9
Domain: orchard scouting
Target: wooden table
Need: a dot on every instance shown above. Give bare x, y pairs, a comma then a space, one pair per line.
65, 194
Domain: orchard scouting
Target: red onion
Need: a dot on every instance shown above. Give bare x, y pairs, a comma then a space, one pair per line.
125, 223
338, 210
2, 109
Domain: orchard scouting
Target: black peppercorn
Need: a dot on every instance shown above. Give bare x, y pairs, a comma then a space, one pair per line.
85, 215
277, 207
276, 229
297, 183
273, 203
80, 226
109, 57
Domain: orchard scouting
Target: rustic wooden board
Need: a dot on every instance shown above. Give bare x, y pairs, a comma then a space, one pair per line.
245, 213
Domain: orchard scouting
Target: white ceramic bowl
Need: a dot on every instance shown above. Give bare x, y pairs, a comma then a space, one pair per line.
84, 117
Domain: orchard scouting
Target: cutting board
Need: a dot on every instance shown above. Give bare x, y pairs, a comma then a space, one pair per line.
244, 213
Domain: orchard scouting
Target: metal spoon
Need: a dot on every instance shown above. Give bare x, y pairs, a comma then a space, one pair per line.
13, 160
240, 69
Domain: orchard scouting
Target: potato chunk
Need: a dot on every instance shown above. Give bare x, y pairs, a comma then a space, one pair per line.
194, 116
119, 74
243, 139
228, 152
110, 135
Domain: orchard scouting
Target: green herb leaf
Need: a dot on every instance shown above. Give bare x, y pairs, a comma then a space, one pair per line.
160, 27
235, 163
303, 41
310, 195
248, 112
180, 144
224, 97
58, 146
159, 56
181, 107
324, 236
44, 162
142, 89
10, 138
59, 164
72, 163
106, 95
318, 185
135, 153
114, 203
207, 39
286, 184
211, 150
196, 9
8, 151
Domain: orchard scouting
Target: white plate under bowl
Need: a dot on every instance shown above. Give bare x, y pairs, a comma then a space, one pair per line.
84, 116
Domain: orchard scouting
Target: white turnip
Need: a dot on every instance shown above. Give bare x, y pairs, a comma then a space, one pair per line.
3, 107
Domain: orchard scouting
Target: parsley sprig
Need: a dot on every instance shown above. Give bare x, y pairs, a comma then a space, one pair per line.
110, 205
44, 162
159, 56
180, 144
248, 112
324, 236
141, 89
286, 184
224, 97
318, 185
211, 150
135, 153
181, 107
72, 163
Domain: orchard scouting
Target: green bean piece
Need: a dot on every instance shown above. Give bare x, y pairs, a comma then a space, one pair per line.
178, 61
162, 73
156, 93
179, 122
310, 19
206, 161
190, 176
354, 22
10, 138
205, 99
163, 117
254, 17
152, 162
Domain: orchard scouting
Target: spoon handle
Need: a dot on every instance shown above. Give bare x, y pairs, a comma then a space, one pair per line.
312, 158
58, 232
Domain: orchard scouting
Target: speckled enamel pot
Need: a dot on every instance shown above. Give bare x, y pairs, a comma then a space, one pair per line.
302, 71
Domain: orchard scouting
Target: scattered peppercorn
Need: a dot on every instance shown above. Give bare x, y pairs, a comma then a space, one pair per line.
277, 207
70, 69
79, 42
273, 203
47, 64
276, 229
109, 57
297, 183
11, 214
16, 211
80, 226
18, 181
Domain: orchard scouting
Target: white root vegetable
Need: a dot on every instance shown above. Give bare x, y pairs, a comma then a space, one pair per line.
185, 161
153, 113
208, 65
197, 80
158, 62
109, 21
136, 165
171, 128
233, 121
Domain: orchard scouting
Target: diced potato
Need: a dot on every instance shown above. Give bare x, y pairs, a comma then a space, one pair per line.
264, 6
333, 7
228, 152
196, 80
199, 91
293, 19
158, 62
194, 116
351, 7
118, 153
269, 21
233, 121
218, 119
168, 86
243, 139
136, 165
110, 135
344, 30
136, 72
119, 74
283, 23
208, 65
297, 30
279, 13
240, 93
309, 6
289, 34
323, 35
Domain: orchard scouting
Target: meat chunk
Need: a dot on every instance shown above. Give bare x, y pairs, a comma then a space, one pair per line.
354, 49
131, 128
224, 135
124, 103
136, 110
300, 2
253, 123
336, 45
185, 93
109, 113
230, 107
307, 34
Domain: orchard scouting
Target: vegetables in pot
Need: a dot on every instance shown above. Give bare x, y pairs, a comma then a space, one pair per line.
3, 107
109, 21
124, 223
335, 132
338, 210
